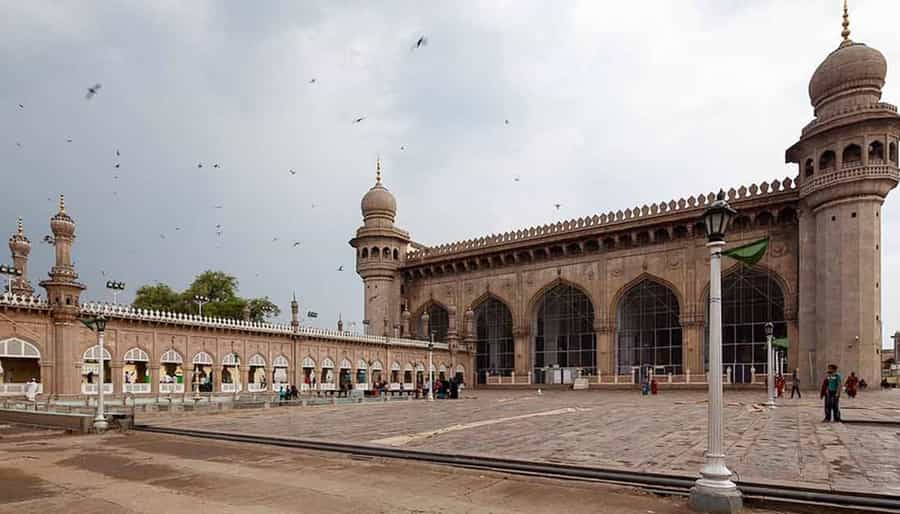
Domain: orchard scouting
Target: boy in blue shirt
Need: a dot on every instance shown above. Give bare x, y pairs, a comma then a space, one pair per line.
831, 393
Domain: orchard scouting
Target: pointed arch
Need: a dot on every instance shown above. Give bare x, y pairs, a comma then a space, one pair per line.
494, 343
17, 348
531, 307
761, 267
648, 328
487, 295
171, 356
563, 338
202, 358
613, 305
257, 360
93, 353
308, 362
280, 362
136, 354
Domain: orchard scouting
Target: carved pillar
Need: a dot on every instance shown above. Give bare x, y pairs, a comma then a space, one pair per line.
115, 367
521, 347
154, 378
47, 377
605, 334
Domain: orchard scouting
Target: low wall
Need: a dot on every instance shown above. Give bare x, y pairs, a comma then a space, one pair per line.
69, 421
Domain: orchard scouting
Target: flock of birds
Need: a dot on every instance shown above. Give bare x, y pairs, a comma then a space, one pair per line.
94, 90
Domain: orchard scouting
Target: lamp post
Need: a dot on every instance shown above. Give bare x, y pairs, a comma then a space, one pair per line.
770, 363
431, 369
10, 272
100, 424
200, 300
714, 491
115, 287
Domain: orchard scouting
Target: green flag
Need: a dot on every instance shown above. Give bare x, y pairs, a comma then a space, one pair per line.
749, 254
88, 323
781, 342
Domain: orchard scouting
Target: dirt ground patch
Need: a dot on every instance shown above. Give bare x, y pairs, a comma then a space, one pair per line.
17, 486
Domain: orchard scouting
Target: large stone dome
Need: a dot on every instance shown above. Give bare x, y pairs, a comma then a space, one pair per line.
379, 201
853, 66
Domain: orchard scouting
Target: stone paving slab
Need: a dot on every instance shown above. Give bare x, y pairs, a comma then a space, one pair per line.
665, 433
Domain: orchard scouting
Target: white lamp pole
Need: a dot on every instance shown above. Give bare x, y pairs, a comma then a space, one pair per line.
714, 491
431, 369
770, 365
100, 424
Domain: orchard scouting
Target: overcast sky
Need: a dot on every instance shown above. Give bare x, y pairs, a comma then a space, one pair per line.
610, 105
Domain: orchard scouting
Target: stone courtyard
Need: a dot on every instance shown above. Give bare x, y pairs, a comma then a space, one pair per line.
665, 433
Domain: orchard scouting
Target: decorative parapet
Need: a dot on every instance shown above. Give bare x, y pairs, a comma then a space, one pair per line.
193, 320
610, 219
849, 110
23, 301
851, 174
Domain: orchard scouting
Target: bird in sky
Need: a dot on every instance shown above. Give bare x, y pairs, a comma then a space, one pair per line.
21, 106
117, 153
402, 147
216, 165
218, 206
218, 226
102, 273
296, 244
292, 172
312, 81
177, 228
341, 267
357, 120
19, 144
115, 177
68, 140
162, 236
506, 122
117, 165
516, 179
49, 240
274, 239
92, 91
218, 233
422, 41
557, 206
199, 164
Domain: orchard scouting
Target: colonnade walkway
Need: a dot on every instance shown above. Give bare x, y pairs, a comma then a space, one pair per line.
612, 429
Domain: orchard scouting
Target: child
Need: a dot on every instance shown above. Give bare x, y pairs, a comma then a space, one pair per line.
831, 393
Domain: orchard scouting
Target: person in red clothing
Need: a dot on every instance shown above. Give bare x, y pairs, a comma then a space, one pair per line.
779, 386
852, 384
654, 386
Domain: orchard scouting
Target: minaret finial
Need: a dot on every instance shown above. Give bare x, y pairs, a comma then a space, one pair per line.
62, 202
846, 24
20, 230
295, 297
378, 170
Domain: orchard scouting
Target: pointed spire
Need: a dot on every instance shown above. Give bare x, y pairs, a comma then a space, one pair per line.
62, 202
294, 300
20, 229
378, 170
846, 24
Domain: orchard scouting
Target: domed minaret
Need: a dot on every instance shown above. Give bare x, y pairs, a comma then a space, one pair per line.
63, 288
380, 251
847, 159
20, 247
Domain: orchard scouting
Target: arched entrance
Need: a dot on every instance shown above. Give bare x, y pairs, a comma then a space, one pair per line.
564, 344
171, 376
345, 381
751, 297
135, 376
203, 370
648, 330
494, 346
309, 374
90, 371
256, 375
280, 366
327, 380
20, 361
231, 373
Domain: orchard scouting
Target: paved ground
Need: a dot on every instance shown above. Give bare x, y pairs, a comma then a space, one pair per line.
148, 473
666, 433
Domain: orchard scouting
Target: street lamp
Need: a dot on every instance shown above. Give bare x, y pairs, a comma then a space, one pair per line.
100, 424
714, 491
200, 300
115, 287
770, 361
10, 272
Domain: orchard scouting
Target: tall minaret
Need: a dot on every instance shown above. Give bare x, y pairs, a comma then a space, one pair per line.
20, 247
380, 251
63, 288
295, 313
847, 162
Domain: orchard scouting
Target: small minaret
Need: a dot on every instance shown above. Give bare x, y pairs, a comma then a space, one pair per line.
295, 314
63, 288
20, 247
246, 312
340, 324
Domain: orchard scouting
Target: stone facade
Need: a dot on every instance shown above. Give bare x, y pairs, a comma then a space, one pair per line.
823, 262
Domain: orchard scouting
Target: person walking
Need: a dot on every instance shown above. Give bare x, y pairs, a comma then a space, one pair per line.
831, 393
795, 384
851, 384
779, 385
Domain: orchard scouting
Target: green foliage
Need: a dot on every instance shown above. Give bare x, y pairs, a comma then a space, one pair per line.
218, 286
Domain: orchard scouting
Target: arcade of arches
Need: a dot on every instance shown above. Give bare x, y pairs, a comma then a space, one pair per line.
648, 329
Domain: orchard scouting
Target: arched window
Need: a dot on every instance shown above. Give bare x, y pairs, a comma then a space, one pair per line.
374, 253
826, 160
750, 298
386, 252
564, 338
648, 329
852, 156
764, 219
876, 152
365, 253
396, 254
20, 363
892, 152
494, 347
808, 168
438, 322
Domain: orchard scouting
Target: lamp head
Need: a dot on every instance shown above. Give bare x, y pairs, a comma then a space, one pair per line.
717, 217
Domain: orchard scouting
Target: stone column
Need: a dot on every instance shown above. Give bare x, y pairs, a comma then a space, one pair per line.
154, 378
605, 334
692, 342
115, 368
522, 349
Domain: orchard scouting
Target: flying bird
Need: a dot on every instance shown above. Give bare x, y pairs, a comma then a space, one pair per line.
68, 140
516, 179
49, 240
557, 206
117, 165
218, 206
19, 144
92, 91
357, 120
199, 164
402, 147
218, 226
115, 177
292, 172
21, 106
117, 153
312, 81
216, 165
274, 239
506, 122
296, 244
341, 267
162, 236
177, 228
422, 41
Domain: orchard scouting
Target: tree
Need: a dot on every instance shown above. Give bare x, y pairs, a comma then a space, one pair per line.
221, 290
159, 297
